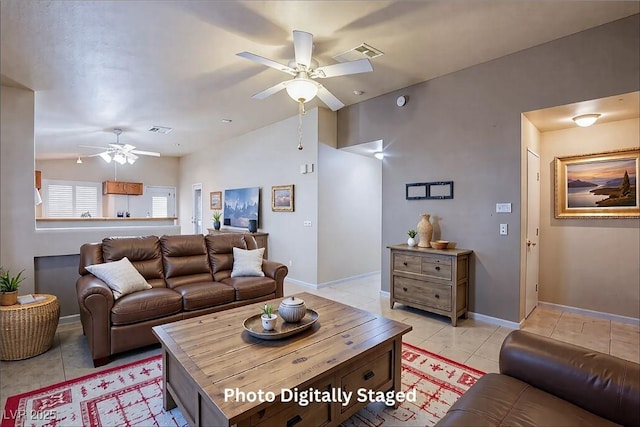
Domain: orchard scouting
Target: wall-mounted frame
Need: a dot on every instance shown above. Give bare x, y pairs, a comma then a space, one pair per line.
429, 190
599, 185
216, 199
282, 198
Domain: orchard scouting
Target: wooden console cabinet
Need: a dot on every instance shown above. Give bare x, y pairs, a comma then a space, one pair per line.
430, 279
121, 187
261, 238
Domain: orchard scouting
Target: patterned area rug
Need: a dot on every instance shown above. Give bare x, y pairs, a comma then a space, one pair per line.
131, 395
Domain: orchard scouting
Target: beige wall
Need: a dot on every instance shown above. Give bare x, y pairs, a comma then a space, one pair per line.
268, 157
466, 127
588, 263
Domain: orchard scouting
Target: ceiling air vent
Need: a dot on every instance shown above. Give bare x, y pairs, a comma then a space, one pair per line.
359, 52
160, 129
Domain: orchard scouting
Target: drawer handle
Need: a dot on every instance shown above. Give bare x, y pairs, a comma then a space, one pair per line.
369, 374
404, 289
405, 263
437, 268
437, 296
293, 421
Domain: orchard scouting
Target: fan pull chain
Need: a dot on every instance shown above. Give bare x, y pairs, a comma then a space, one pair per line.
301, 112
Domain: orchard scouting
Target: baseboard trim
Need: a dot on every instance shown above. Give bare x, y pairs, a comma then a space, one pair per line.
331, 283
385, 294
69, 319
495, 320
593, 313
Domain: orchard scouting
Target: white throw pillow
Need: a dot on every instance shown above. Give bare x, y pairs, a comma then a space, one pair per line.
121, 276
247, 263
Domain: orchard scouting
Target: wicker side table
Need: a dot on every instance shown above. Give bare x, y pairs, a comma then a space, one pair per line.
27, 330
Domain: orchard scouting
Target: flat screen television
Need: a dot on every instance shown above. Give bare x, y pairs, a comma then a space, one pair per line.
241, 205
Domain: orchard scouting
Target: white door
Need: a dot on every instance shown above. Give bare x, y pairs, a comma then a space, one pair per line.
533, 231
196, 217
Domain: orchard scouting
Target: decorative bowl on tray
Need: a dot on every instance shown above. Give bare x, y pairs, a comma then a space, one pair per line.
440, 244
253, 325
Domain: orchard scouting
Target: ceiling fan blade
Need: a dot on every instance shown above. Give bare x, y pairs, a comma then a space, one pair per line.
303, 46
128, 147
92, 146
343, 69
96, 155
130, 155
328, 98
273, 89
268, 62
145, 153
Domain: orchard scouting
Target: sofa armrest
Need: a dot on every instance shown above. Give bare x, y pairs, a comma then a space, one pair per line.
95, 300
599, 383
277, 272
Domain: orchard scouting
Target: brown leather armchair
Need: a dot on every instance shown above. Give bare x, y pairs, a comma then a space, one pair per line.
545, 382
190, 276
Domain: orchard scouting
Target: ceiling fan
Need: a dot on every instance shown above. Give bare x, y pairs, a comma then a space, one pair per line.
120, 153
304, 69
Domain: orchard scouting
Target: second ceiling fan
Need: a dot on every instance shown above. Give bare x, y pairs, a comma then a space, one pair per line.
303, 87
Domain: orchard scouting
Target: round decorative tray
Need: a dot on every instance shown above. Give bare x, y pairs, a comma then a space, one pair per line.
253, 325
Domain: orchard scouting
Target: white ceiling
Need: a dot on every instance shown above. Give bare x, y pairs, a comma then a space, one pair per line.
96, 65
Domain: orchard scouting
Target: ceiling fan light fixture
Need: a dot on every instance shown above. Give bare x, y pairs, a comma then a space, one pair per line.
120, 158
586, 120
302, 89
106, 157
131, 160
378, 155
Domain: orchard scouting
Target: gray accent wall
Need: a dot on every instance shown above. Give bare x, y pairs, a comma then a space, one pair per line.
466, 127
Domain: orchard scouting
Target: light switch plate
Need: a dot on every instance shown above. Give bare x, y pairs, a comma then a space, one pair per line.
503, 207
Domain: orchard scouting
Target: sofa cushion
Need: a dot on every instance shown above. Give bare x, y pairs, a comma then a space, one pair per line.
205, 294
251, 287
220, 248
120, 276
247, 263
143, 252
500, 400
185, 259
145, 305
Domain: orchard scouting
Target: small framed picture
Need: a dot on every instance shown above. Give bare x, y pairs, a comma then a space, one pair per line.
282, 198
216, 199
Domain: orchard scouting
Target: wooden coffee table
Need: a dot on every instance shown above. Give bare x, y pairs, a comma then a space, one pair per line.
220, 375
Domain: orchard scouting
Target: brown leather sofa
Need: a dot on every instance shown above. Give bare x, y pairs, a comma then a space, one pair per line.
545, 382
190, 276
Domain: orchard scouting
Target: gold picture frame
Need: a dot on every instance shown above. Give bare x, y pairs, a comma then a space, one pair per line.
598, 185
282, 198
216, 200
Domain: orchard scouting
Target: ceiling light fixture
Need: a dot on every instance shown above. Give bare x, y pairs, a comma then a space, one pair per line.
378, 155
585, 120
79, 161
120, 158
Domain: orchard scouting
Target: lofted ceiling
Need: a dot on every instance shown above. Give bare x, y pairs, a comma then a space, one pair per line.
98, 65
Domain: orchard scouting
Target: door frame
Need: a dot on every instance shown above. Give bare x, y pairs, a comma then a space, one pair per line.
530, 295
196, 208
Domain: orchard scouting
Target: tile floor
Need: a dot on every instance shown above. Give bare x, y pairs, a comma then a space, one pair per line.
472, 342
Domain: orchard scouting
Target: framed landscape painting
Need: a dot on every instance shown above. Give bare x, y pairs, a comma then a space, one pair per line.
600, 185
282, 198
216, 199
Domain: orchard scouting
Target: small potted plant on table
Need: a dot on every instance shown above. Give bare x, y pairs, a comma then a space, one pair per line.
411, 241
269, 318
9, 287
216, 219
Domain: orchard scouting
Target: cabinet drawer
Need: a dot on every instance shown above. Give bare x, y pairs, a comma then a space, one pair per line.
436, 269
426, 293
371, 376
407, 263
292, 414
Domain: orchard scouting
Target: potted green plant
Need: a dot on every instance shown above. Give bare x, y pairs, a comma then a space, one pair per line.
411, 242
216, 219
9, 287
269, 318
